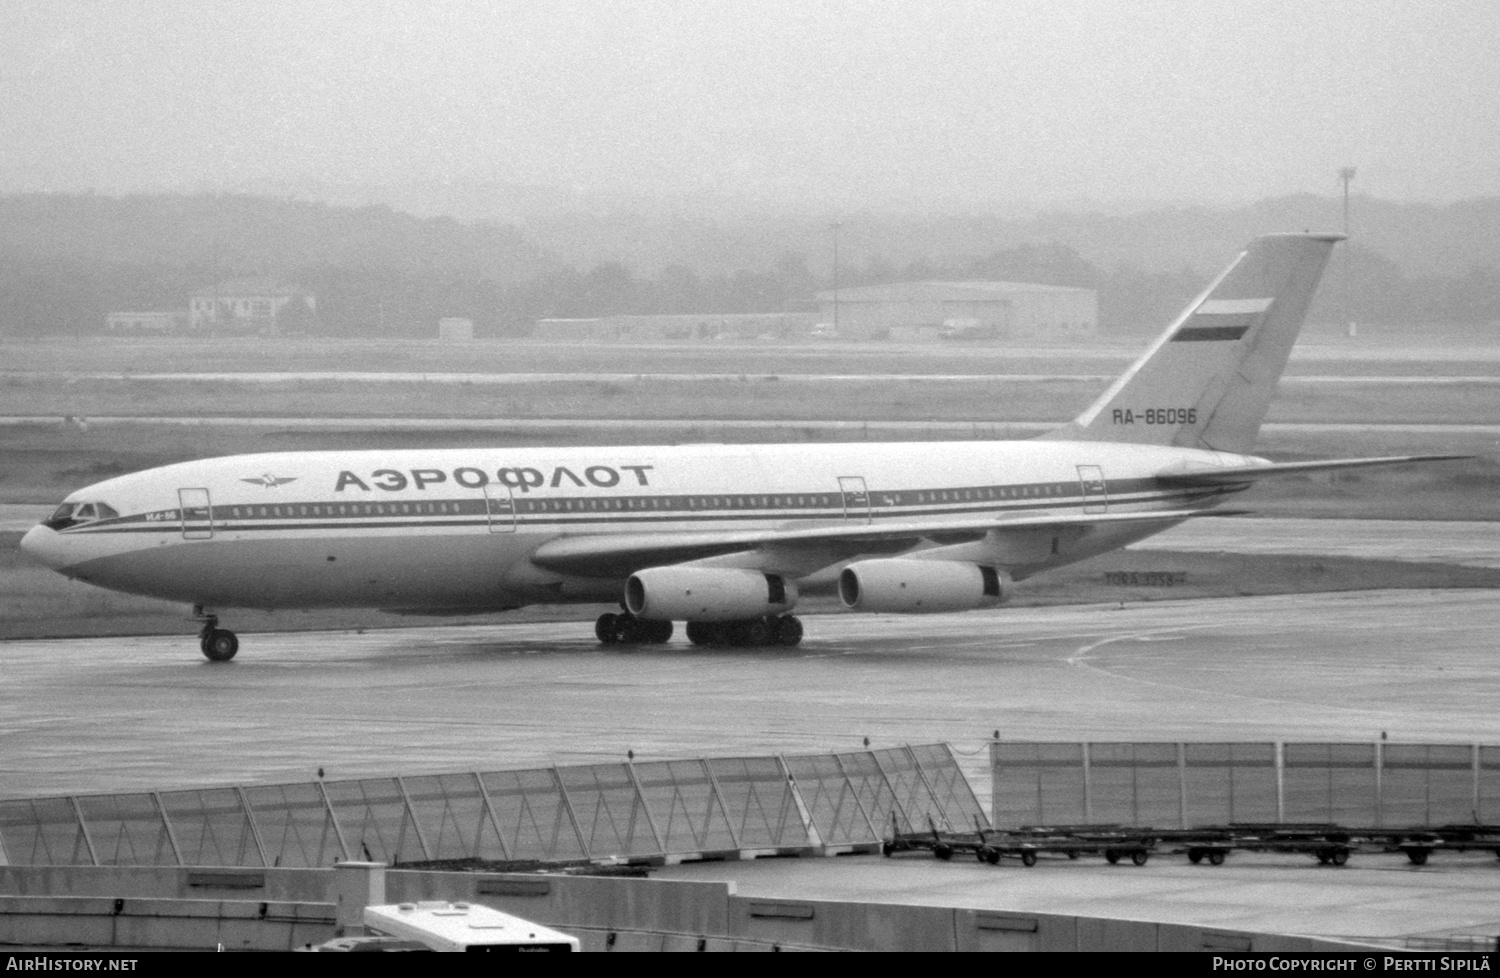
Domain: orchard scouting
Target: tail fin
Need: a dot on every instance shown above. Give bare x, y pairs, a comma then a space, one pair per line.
1208, 380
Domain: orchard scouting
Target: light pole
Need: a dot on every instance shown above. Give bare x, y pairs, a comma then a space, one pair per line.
834, 227
1346, 174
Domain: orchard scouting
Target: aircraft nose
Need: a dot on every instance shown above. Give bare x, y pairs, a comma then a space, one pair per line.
46, 545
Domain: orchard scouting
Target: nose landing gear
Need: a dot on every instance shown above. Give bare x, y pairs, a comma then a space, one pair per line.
217, 644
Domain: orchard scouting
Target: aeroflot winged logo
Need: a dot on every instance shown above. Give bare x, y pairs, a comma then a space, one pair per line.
270, 481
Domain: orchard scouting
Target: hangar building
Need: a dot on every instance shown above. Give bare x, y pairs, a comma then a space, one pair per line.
650, 329
907, 311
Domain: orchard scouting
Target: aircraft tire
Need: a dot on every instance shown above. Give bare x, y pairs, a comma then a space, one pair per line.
604, 628
629, 630
758, 631
661, 632
219, 645
698, 633
788, 631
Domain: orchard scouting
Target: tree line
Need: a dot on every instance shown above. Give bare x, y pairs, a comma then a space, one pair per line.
67, 261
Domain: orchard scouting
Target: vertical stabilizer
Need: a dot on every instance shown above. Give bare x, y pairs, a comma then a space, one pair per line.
1208, 380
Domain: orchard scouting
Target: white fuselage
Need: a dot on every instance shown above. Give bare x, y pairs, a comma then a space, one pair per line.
454, 530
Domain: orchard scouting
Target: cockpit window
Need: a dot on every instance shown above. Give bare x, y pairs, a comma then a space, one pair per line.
73, 514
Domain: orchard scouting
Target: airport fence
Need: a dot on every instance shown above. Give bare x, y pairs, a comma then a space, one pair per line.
1189, 785
632, 811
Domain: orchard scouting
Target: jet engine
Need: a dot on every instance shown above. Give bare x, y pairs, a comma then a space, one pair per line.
707, 594
920, 586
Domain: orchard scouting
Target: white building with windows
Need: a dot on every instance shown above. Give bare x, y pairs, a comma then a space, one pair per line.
252, 305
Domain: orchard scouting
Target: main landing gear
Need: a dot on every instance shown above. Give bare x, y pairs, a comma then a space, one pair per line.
627, 629
783, 630
217, 644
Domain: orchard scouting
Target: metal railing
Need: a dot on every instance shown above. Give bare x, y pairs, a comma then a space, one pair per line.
626, 811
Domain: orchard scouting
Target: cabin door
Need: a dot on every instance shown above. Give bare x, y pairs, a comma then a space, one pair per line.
500, 508
1095, 492
856, 498
197, 514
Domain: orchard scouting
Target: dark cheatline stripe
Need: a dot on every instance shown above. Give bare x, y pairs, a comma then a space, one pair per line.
1194, 334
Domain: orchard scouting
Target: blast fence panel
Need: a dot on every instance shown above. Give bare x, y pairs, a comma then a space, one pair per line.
610, 812
374, 821
1330, 784
685, 806
43, 832
1135, 784
1488, 788
295, 825
833, 802
949, 788
533, 815
912, 795
759, 801
212, 827
874, 792
1228, 783
455, 821
1037, 784
127, 830
1427, 784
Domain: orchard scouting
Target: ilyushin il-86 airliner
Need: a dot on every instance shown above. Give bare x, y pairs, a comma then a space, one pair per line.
723, 537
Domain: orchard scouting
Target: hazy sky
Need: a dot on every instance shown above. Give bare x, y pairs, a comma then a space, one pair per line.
831, 104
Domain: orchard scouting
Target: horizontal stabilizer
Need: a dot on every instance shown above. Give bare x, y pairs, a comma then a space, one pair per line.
610, 554
1243, 474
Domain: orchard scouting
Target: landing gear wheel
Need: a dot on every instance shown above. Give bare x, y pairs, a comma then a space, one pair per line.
788, 631
699, 633
604, 628
661, 632
628, 630
757, 632
219, 645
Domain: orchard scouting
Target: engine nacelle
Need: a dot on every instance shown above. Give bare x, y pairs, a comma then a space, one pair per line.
707, 594
914, 587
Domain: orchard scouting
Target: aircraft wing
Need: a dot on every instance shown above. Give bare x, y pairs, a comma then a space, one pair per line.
1245, 474
619, 554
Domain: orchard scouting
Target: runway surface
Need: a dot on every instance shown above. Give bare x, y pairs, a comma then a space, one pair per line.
143, 713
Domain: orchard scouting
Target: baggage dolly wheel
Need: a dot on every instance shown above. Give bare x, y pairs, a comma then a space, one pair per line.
1139, 857
1028, 857
1216, 857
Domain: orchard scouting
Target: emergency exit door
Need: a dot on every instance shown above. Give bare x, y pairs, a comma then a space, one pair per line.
197, 514
1095, 490
856, 498
500, 508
